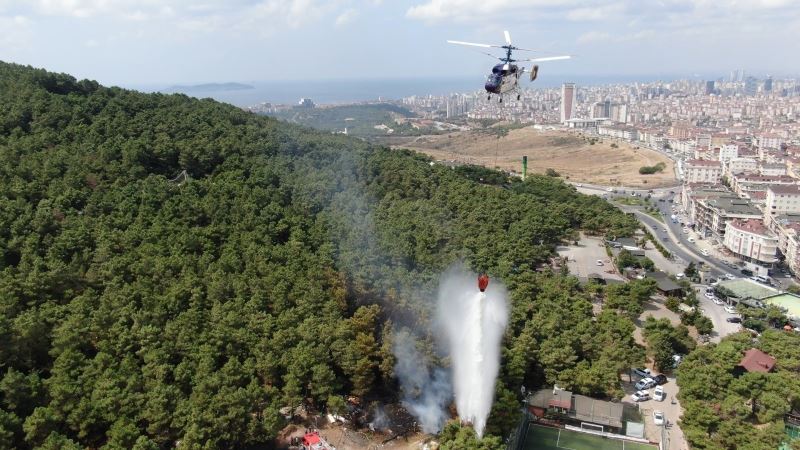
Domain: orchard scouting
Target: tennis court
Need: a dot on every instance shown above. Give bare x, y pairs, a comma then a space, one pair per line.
545, 438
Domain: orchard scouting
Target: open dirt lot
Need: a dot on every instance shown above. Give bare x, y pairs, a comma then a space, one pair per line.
569, 154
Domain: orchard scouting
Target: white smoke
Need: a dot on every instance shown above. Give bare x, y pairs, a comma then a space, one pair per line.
426, 391
473, 324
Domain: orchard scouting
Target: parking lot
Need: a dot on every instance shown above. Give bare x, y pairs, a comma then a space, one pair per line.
582, 258
717, 315
672, 413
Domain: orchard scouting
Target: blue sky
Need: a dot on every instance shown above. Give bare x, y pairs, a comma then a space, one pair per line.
178, 41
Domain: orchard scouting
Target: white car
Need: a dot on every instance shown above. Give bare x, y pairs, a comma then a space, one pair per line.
710, 295
640, 396
730, 309
717, 301
658, 418
705, 252
729, 276
599, 262
658, 394
679, 275
691, 239
609, 189
579, 185
645, 383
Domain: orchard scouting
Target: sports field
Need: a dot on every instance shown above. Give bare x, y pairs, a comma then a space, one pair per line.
544, 438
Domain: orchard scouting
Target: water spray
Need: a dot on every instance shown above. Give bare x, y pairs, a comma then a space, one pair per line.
473, 322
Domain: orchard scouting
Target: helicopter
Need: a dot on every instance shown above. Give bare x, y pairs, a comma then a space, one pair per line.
504, 78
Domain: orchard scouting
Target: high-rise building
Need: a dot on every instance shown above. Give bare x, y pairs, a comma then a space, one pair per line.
568, 101
768, 84
750, 86
709, 87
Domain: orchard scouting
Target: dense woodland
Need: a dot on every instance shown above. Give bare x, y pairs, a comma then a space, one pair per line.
138, 309
726, 409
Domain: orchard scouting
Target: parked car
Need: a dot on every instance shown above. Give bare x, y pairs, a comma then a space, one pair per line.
644, 373
645, 383
705, 252
660, 379
691, 239
729, 276
658, 418
679, 275
730, 309
717, 301
714, 282
640, 396
609, 190
599, 262
676, 360
658, 394
710, 295
734, 319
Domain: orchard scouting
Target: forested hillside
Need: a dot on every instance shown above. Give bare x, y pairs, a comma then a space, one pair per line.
725, 408
138, 309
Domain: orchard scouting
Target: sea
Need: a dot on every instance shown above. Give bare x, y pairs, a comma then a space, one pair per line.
345, 91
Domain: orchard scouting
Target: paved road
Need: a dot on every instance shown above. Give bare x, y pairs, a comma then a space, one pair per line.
717, 315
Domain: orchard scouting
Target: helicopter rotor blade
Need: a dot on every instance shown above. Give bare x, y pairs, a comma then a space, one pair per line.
474, 44
508, 37
548, 58
491, 55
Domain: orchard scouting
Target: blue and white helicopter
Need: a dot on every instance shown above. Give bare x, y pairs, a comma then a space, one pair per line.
504, 78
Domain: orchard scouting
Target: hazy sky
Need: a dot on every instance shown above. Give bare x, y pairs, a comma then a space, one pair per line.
180, 41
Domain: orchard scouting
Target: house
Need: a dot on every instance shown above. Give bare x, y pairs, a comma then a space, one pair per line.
578, 408
755, 360
665, 285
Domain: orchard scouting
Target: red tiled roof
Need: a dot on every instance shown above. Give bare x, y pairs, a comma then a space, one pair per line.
755, 226
785, 189
703, 162
755, 360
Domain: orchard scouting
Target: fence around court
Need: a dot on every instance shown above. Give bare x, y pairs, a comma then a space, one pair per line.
606, 434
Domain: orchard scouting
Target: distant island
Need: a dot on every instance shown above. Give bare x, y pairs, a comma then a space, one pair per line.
209, 87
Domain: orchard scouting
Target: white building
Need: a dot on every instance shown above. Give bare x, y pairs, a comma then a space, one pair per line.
702, 171
773, 169
751, 241
787, 228
768, 140
739, 165
568, 101
781, 200
728, 152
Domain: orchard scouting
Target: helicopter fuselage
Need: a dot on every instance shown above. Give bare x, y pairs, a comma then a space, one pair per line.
503, 79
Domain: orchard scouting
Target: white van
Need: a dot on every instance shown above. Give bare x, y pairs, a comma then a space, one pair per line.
761, 279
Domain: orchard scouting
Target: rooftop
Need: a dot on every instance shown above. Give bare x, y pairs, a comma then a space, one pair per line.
755, 226
734, 205
704, 162
791, 189
743, 288
755, 360
787, 301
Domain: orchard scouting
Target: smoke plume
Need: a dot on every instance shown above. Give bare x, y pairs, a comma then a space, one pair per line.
426, 391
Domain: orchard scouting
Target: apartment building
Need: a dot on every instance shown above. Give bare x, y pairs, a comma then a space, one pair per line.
702, 171
751, 241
